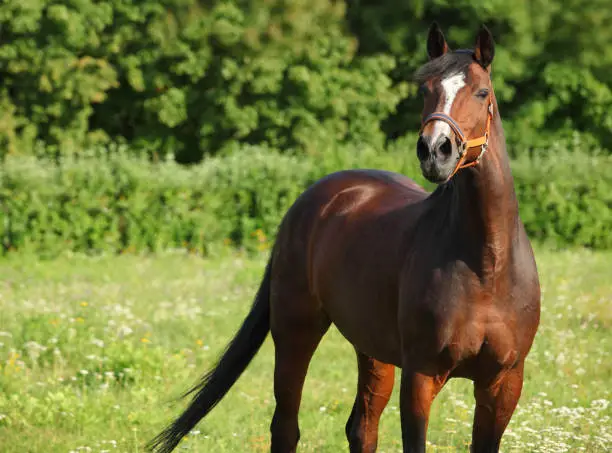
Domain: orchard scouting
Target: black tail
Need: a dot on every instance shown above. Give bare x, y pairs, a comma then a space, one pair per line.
214, 385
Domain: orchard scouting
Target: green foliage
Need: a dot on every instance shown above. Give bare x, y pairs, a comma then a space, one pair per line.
185, 76
565, 196
52, 73
188, 77
121, 203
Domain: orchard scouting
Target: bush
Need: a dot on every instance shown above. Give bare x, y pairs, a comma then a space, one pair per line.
116, 202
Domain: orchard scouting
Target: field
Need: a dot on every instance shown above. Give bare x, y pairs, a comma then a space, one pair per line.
93, 352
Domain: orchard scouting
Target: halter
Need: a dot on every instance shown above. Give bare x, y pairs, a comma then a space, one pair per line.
464, 145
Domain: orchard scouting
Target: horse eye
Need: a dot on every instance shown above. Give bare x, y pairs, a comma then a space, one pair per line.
423, 90
482, 94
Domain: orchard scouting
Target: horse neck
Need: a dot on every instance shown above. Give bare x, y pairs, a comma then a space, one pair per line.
485, 204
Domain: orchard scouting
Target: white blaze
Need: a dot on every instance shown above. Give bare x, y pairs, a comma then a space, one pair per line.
451, 86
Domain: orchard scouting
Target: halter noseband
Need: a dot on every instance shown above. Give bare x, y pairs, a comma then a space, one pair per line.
465, 146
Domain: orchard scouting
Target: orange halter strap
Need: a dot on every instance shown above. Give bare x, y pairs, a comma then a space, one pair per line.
479, 144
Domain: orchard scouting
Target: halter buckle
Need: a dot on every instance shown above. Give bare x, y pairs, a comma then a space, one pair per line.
461, 149
483, 148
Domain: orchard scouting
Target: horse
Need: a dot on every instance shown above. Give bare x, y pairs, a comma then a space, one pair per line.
442, 285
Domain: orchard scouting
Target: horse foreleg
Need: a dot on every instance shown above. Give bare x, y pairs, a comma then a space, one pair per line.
417, 393
374, 388
495, 404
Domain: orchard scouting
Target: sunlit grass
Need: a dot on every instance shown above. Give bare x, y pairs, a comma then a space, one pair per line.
94, 350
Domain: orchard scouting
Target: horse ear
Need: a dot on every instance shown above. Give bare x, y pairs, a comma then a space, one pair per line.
484, 50
436, 44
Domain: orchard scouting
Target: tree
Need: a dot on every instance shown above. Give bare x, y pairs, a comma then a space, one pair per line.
187, 77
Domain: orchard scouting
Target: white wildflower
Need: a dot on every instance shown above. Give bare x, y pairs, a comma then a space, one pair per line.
97, 342
124, 331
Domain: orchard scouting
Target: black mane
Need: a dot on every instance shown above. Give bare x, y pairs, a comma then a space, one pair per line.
449, 63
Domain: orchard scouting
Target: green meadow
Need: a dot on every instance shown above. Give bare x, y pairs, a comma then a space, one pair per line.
94, 352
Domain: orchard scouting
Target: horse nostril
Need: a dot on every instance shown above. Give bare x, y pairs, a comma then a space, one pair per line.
445, 147
422, 149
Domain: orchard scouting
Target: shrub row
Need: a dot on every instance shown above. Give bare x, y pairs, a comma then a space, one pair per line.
115, 202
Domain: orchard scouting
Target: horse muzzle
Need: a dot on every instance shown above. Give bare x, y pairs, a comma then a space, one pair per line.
437, 158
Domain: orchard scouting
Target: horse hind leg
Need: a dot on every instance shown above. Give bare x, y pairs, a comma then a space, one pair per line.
374, 388
297, 326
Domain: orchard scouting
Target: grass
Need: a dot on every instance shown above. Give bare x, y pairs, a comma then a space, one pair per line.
94, 350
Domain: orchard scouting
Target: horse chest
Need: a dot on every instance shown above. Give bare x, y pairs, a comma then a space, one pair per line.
460, 336
488, 340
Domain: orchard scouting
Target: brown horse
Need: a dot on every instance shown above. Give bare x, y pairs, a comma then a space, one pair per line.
442, 285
